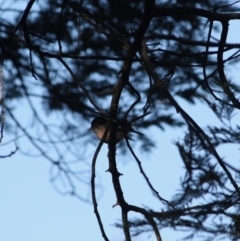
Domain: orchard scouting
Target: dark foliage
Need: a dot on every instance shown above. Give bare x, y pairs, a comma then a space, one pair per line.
124, 59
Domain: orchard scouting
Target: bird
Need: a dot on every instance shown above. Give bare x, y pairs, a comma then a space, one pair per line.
99, 124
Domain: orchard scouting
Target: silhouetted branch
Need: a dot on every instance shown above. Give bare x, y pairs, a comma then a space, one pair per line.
225, 85
2, 103
11, 153
94, 199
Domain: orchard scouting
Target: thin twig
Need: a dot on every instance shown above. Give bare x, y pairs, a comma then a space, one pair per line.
12, 152
155, 192
94, 200
80, 85
2, 103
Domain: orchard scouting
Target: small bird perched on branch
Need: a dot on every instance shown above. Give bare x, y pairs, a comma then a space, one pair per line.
99, 125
